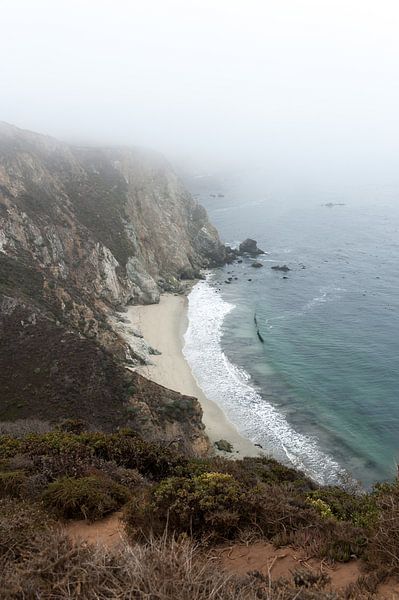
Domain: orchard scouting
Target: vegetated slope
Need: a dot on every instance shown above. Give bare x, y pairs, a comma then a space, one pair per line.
84, 231
178, 503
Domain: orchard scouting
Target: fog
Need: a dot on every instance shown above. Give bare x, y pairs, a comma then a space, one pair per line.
309, 89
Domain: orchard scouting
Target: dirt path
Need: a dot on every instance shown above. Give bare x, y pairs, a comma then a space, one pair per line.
240, 559
107, 532
282, 562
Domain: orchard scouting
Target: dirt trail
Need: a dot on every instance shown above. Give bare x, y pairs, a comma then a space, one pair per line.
282, 562
108, 531
240, 558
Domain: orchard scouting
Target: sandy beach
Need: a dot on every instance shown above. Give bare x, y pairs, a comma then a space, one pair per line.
163, 326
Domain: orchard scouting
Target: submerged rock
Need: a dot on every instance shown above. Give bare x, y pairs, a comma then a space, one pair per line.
281, 268
256, 265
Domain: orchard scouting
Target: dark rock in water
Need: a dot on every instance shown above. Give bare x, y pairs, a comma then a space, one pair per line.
285, 277
281, 268
227, 281
249, 279
230, 278
239, 260
249, 246
231, 254
224, 446
235, 278
256, 265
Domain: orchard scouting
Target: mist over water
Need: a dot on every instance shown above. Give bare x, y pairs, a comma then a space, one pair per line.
329, 363
297, 103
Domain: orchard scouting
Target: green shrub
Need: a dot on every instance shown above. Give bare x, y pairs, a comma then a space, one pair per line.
125, 448
88, 497
359, 509
207, 504
9, 446
250, 471
322, 507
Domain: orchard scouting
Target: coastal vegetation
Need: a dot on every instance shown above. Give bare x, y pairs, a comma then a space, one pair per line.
177, 510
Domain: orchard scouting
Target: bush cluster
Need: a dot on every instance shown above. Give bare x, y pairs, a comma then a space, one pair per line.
75, 475
87, 497
39, 561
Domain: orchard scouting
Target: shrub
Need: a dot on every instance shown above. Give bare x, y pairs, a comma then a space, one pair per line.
219, 506
249, 471
9, 446
87, 497
273, 509
326, 538
72, 425
383, 546
207, 504
322, 507
125, 448
20, 524
12, 483
358, 508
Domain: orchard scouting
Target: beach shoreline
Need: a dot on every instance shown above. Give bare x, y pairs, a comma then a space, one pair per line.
163, 326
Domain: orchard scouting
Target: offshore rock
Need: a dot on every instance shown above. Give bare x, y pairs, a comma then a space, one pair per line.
249, 246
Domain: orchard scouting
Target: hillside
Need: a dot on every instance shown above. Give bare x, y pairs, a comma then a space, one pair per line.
84, 232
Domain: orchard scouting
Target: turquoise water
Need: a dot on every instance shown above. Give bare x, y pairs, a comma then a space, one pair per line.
329, 364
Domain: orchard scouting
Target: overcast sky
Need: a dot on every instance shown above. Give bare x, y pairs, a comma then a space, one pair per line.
303, 85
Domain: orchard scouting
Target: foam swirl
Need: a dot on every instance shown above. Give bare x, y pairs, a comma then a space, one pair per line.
229, 386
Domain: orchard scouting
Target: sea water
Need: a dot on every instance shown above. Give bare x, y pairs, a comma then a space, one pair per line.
322, 391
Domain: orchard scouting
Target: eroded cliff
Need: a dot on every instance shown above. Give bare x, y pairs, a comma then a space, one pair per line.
84, 231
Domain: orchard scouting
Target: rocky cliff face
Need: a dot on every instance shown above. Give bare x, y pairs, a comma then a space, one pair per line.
84, 231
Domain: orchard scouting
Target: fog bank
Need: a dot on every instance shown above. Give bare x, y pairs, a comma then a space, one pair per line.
308, 88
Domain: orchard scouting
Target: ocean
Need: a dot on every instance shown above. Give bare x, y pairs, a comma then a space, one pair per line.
322, 391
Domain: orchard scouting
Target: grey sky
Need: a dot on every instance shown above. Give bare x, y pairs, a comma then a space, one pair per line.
309, 86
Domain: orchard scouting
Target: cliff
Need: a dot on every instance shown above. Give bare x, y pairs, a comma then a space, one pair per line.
85, 231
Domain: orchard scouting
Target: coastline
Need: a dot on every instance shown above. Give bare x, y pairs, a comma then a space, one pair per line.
163, 326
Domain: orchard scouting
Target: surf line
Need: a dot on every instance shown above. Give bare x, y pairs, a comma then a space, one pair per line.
257, 329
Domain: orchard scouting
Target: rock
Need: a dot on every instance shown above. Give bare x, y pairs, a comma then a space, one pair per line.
256, 265
249, 246
227, 281
281, 268
224, 446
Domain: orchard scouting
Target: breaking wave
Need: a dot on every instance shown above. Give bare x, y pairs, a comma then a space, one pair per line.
230, 387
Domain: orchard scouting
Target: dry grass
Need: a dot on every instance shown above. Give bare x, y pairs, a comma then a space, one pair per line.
22, 427
37, 560
162, 569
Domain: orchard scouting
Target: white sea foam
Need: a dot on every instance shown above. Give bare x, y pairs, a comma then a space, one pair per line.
326, 295
229, 386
